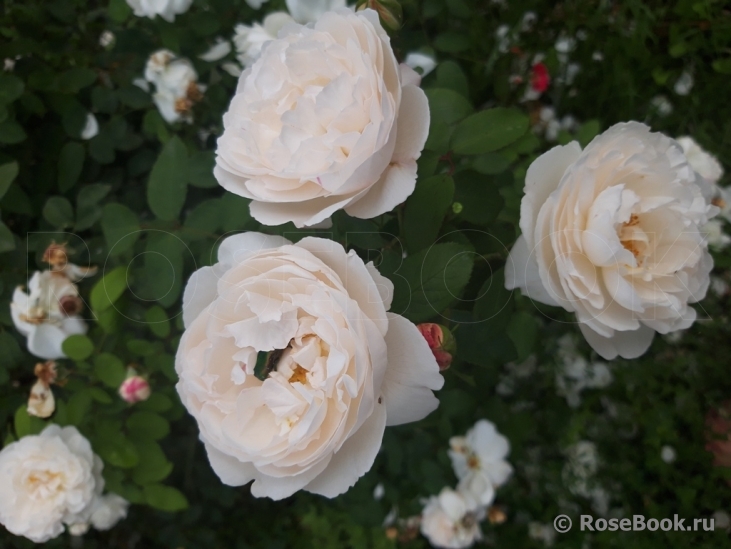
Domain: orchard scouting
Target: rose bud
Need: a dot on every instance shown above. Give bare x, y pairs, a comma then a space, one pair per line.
540, 79
134, 389
440, 341
389, 11
56, 256
41, 402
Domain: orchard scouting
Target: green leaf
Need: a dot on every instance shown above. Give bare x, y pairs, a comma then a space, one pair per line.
429, 281
26, 424
166, 188
489, 130
161, 278
117, 450
450, 75
109, 289
77, 347
234, 212
59, 212
11, 132
100, 395
147, 426
425, 211
110, 370
78, 408
88, 210
452, 42
494, 303
7, 240
165, 498
522, 330
120, 226
471, 191
76, 79
158, 321
205, 219
119, 10
11, 87
447, 106
8, 173
70, 165
157, 402
491, 163
153, 465
200, 170
133, 97
588, 131
722, 65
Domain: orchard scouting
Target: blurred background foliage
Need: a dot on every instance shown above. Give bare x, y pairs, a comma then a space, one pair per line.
139, 201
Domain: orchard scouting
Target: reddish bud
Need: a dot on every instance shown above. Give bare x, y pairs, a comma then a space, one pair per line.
440, 341
134, 389
540, 79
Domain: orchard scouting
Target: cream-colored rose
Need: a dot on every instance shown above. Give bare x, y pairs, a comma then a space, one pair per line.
292, 366
48, 313
250, 39
612, 233
46, 481
167, 9
701, 160
324, 120
450, 520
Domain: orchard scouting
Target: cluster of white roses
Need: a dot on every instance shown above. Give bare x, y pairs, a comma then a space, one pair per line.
452, 518
53, 480
50, 310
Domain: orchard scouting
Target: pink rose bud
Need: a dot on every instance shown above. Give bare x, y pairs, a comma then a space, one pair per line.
540, 78
134, 389
440, 341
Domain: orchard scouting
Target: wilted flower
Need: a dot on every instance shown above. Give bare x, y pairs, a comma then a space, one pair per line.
135, 388
41, 402
451, 520
176, 85
389, 11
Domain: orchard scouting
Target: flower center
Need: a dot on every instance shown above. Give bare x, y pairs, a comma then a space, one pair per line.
633, 238
473, 462
43, 483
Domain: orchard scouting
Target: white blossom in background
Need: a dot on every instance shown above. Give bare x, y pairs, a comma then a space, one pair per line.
451, 520
575, 373
684, 83
578, 475
597, 56
217, 51
661, 105
701, 160
421, 62
176, 85
668, 454
256, 4
528, 21
108, 510
478, 460
514, 372
167, 9
249, 39
379, 491
715, 234
719, 286
106, 39
504, 40
542, 532
48, 481
309, 11
722, 520
91, 128
48, 313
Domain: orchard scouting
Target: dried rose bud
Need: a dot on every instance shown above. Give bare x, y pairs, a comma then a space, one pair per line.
41, 402
389, 11
496, 515
540, 79
46, 372
70, 305
134, 389
440, 341
56, 256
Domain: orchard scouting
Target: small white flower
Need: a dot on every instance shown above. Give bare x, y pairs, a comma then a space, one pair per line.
176, 85
250, 39
661, 105
256, 4
581, 465
379, 491
719, 286
502, 34
8, 64
421, 62
46, 481
668, 455
167, 9
79, 529
309, 11
106, 39
701, 160
478, 460
108, 510
722, 520
91, 128
528, 21
565, 44
597, 56
449, 520
684, 83
42, 314
217, 51
542, 532
715, 235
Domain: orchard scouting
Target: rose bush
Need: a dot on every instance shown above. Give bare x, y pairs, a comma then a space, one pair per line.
340, 368
341, 127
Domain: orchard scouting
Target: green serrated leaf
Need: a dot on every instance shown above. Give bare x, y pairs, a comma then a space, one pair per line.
109, 370
489, 130
77, 347
165, 498
109, 289
167, 185
447, 106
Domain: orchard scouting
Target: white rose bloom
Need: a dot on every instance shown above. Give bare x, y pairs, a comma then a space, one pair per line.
342, 128
309, 11
450, 520
46, 481
700, 160
167, 9
176, 85
421, 61
217, 51
340, 367
478, 460
46, 314
108, 510
613, 234
249, 39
